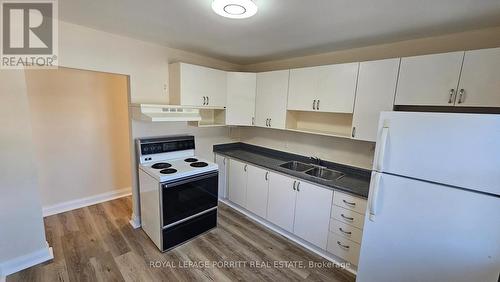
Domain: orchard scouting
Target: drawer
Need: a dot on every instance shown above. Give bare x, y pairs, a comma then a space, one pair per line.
349, 202
348, 216
345, 230
343, 248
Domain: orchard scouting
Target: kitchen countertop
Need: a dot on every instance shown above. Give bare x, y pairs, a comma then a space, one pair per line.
356, 180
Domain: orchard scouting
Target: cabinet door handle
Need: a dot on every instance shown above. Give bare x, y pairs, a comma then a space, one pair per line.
270, 122
294, 184
349, 203
245, 168
253, 120
314, 105
353, 132
298, 185
317, 105
267, 175
451, 99
204, 100
346, 217
343, 246
224, 161
461, 98
208, 100
345, 232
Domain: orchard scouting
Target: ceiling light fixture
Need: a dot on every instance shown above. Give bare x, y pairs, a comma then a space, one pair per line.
234, 9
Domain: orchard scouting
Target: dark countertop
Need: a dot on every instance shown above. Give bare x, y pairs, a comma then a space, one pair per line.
356, 180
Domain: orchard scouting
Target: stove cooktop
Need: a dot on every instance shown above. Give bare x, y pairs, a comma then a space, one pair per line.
166, 170
161, 165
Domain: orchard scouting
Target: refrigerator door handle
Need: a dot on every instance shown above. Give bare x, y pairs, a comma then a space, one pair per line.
379, 160
373, 197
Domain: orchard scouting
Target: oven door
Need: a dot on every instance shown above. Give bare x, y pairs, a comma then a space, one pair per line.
189, 196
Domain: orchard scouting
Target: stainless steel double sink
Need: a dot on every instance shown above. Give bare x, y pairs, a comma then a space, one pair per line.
313, 170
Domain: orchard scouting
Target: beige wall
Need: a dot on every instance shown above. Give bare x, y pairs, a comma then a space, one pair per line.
21, 224
80, 132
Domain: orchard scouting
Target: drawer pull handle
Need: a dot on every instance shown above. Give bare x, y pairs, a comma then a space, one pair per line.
345, 232
348, 203
346, 217
343, 246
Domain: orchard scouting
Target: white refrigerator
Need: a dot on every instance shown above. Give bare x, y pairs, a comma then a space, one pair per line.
434, 203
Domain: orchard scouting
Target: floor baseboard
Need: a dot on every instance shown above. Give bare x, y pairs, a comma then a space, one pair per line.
135, 221
87, 201
25, 261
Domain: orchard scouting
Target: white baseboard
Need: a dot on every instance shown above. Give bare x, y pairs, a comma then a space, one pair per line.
87, 201
25, 261
135, 221
289, 236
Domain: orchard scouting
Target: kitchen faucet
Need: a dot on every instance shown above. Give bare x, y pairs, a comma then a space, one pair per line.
315, 160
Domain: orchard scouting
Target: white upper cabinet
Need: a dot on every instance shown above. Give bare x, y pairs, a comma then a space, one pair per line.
429, 80
328, 88
312, 216
480, 79
192, 85
281, 201
375, 93
271, 99
241, 87
257, 190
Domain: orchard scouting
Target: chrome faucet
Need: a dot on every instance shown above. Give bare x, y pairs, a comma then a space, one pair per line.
315, 160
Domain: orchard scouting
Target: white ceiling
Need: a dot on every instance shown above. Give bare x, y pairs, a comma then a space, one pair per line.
281, 28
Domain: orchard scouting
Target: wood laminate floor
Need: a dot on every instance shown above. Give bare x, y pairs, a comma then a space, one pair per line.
96, 243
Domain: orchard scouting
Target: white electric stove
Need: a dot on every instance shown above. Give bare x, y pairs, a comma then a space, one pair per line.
178, 191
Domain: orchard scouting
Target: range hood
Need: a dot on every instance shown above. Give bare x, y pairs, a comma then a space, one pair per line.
158, 113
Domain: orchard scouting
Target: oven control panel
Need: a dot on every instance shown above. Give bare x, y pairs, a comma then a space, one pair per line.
165, 145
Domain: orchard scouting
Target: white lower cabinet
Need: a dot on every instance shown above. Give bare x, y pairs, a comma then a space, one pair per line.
257, 190
343, 248
222, 161
331, 221
281, 201
345, 230
312, 213
237, 182
346, 226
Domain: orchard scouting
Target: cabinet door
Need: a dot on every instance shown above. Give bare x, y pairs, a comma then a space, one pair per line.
281, 201
221, 161
217, 96
428, 80
337, 87
302, 89
480, 79
197, 82
257, 190
312, 213
376, 88
237, 183
333, 87
271, 98
240, 109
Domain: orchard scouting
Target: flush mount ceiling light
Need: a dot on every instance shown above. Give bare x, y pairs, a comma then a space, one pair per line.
234, 9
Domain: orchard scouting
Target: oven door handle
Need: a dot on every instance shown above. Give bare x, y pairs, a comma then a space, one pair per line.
189, 179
